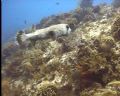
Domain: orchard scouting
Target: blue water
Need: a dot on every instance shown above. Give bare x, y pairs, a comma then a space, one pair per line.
20, 14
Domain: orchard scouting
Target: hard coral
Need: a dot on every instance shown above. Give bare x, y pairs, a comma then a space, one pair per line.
47, 90
111, 89
96, 9
86, 3
6, 88
116, 28
116, 3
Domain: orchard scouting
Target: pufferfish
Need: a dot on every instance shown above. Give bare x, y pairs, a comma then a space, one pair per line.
53, 31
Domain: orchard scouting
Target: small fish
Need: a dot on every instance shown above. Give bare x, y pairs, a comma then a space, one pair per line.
57, 3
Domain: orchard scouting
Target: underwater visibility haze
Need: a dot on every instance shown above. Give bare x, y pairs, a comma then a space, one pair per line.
18, 15
60, 48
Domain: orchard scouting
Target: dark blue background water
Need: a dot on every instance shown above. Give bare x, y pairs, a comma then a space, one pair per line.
20, 14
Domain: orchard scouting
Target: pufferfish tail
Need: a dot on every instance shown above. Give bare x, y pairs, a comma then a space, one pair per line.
21, 37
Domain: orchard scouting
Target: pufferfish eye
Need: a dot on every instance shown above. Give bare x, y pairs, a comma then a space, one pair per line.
67, 27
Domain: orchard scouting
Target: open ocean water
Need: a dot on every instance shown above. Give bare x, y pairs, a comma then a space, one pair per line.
22, 14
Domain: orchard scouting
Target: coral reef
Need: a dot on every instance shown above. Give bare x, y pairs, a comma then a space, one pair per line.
86, 3
116, 3
84, 63
111, 89
116, 28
